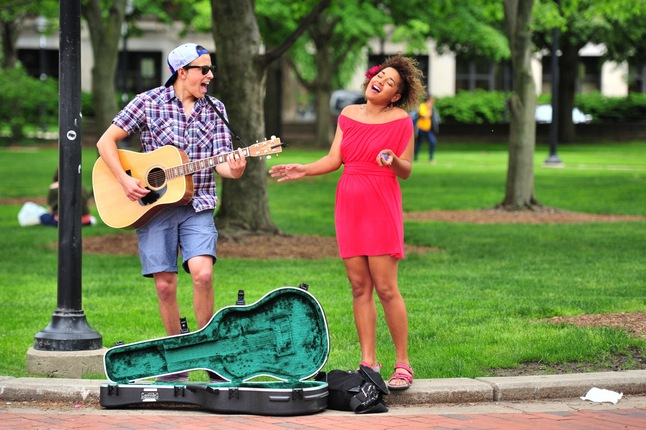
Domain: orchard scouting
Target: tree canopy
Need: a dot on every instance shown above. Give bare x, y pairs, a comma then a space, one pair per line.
618, 25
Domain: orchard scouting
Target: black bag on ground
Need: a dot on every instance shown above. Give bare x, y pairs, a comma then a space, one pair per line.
360, 391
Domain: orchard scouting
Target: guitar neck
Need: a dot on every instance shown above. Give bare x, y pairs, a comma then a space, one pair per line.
196, 166
259, 149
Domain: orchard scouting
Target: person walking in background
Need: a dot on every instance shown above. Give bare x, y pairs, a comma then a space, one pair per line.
428, 127
178, 114
374, 142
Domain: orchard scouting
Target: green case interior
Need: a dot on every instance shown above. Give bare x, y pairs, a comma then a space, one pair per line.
282, 336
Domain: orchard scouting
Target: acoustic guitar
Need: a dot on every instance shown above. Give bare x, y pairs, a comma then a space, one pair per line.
166, 172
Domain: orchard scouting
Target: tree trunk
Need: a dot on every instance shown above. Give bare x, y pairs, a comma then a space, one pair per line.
9, 36
273, 104
519, 193
324, 126
244, 204
105, 35
569, 68
323, 35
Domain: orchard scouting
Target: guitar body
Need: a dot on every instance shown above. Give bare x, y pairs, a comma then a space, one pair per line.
166, 172
116, 210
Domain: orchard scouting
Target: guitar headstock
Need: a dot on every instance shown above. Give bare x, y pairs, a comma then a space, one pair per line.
266, 148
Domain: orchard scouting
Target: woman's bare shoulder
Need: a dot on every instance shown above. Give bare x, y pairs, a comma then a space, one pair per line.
399, 113
351, 111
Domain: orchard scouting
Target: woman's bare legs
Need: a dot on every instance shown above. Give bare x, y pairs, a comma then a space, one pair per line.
363, 305
378, 273
383, 269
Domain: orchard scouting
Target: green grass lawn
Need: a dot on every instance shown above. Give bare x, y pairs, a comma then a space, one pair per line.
474, 306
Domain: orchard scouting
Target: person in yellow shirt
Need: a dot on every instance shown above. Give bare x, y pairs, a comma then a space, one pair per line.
427, 127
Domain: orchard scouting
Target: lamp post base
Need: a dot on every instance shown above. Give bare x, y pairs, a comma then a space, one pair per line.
553, 161
68, 331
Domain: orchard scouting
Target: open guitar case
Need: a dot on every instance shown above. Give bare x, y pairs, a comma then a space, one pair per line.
267, 352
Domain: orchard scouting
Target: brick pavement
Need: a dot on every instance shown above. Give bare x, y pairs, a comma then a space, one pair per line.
567, 415
534, 402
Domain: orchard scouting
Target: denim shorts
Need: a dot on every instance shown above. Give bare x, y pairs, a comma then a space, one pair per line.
174, 231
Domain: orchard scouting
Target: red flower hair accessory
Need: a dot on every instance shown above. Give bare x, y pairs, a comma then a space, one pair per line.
373, 71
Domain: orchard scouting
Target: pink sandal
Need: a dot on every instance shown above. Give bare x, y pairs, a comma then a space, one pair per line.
408, 377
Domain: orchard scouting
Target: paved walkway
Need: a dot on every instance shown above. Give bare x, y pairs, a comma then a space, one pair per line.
532, 402
573, 414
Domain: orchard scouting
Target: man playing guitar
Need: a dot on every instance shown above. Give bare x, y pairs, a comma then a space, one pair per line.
177, 114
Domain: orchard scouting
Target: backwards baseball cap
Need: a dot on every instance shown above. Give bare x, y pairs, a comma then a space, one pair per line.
182, 56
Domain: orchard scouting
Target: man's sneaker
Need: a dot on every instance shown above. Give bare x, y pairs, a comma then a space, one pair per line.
214, 378
179, 378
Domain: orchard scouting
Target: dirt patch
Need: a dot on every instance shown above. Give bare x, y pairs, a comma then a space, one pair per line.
632, 322
256, 247
496, 216
631, 360
312, 247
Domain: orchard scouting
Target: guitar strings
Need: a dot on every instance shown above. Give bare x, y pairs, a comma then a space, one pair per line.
160, 175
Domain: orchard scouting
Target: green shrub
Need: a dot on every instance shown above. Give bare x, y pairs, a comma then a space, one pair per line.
23, 97
87, 104
478, 107
489, 107
613, 109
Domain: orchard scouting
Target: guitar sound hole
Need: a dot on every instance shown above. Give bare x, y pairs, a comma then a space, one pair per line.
156, 177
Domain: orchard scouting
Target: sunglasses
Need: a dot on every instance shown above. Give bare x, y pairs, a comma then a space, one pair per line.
205, 69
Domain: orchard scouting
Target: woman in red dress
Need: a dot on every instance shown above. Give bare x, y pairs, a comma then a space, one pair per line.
374, 142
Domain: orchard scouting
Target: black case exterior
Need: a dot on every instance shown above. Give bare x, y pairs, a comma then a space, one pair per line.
282, 340
226, 400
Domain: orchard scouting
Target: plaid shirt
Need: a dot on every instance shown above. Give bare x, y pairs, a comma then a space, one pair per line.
159, 117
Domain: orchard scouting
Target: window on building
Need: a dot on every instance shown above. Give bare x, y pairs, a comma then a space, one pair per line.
546, 77
31, 61
471, 75
637, 78
139, 71
588, 76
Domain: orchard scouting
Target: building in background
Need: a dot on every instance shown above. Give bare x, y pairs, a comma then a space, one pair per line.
446, 74
145, 57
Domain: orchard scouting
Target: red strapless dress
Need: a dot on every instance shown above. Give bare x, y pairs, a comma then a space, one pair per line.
368, 210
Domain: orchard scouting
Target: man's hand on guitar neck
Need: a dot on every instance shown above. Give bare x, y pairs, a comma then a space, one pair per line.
235, 165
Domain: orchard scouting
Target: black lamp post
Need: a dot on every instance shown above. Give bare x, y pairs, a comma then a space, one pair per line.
41, 26
123, 82
68, 329
130, 8
553, 160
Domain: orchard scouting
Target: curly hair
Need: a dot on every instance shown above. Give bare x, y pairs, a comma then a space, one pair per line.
411, 88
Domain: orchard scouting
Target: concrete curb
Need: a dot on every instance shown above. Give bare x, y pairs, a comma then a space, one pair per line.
49, 389
423, 391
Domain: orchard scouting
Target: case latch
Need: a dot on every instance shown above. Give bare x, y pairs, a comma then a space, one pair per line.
297, 394
234, 393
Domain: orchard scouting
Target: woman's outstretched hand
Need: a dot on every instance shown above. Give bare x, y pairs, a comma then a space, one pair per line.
287, 172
